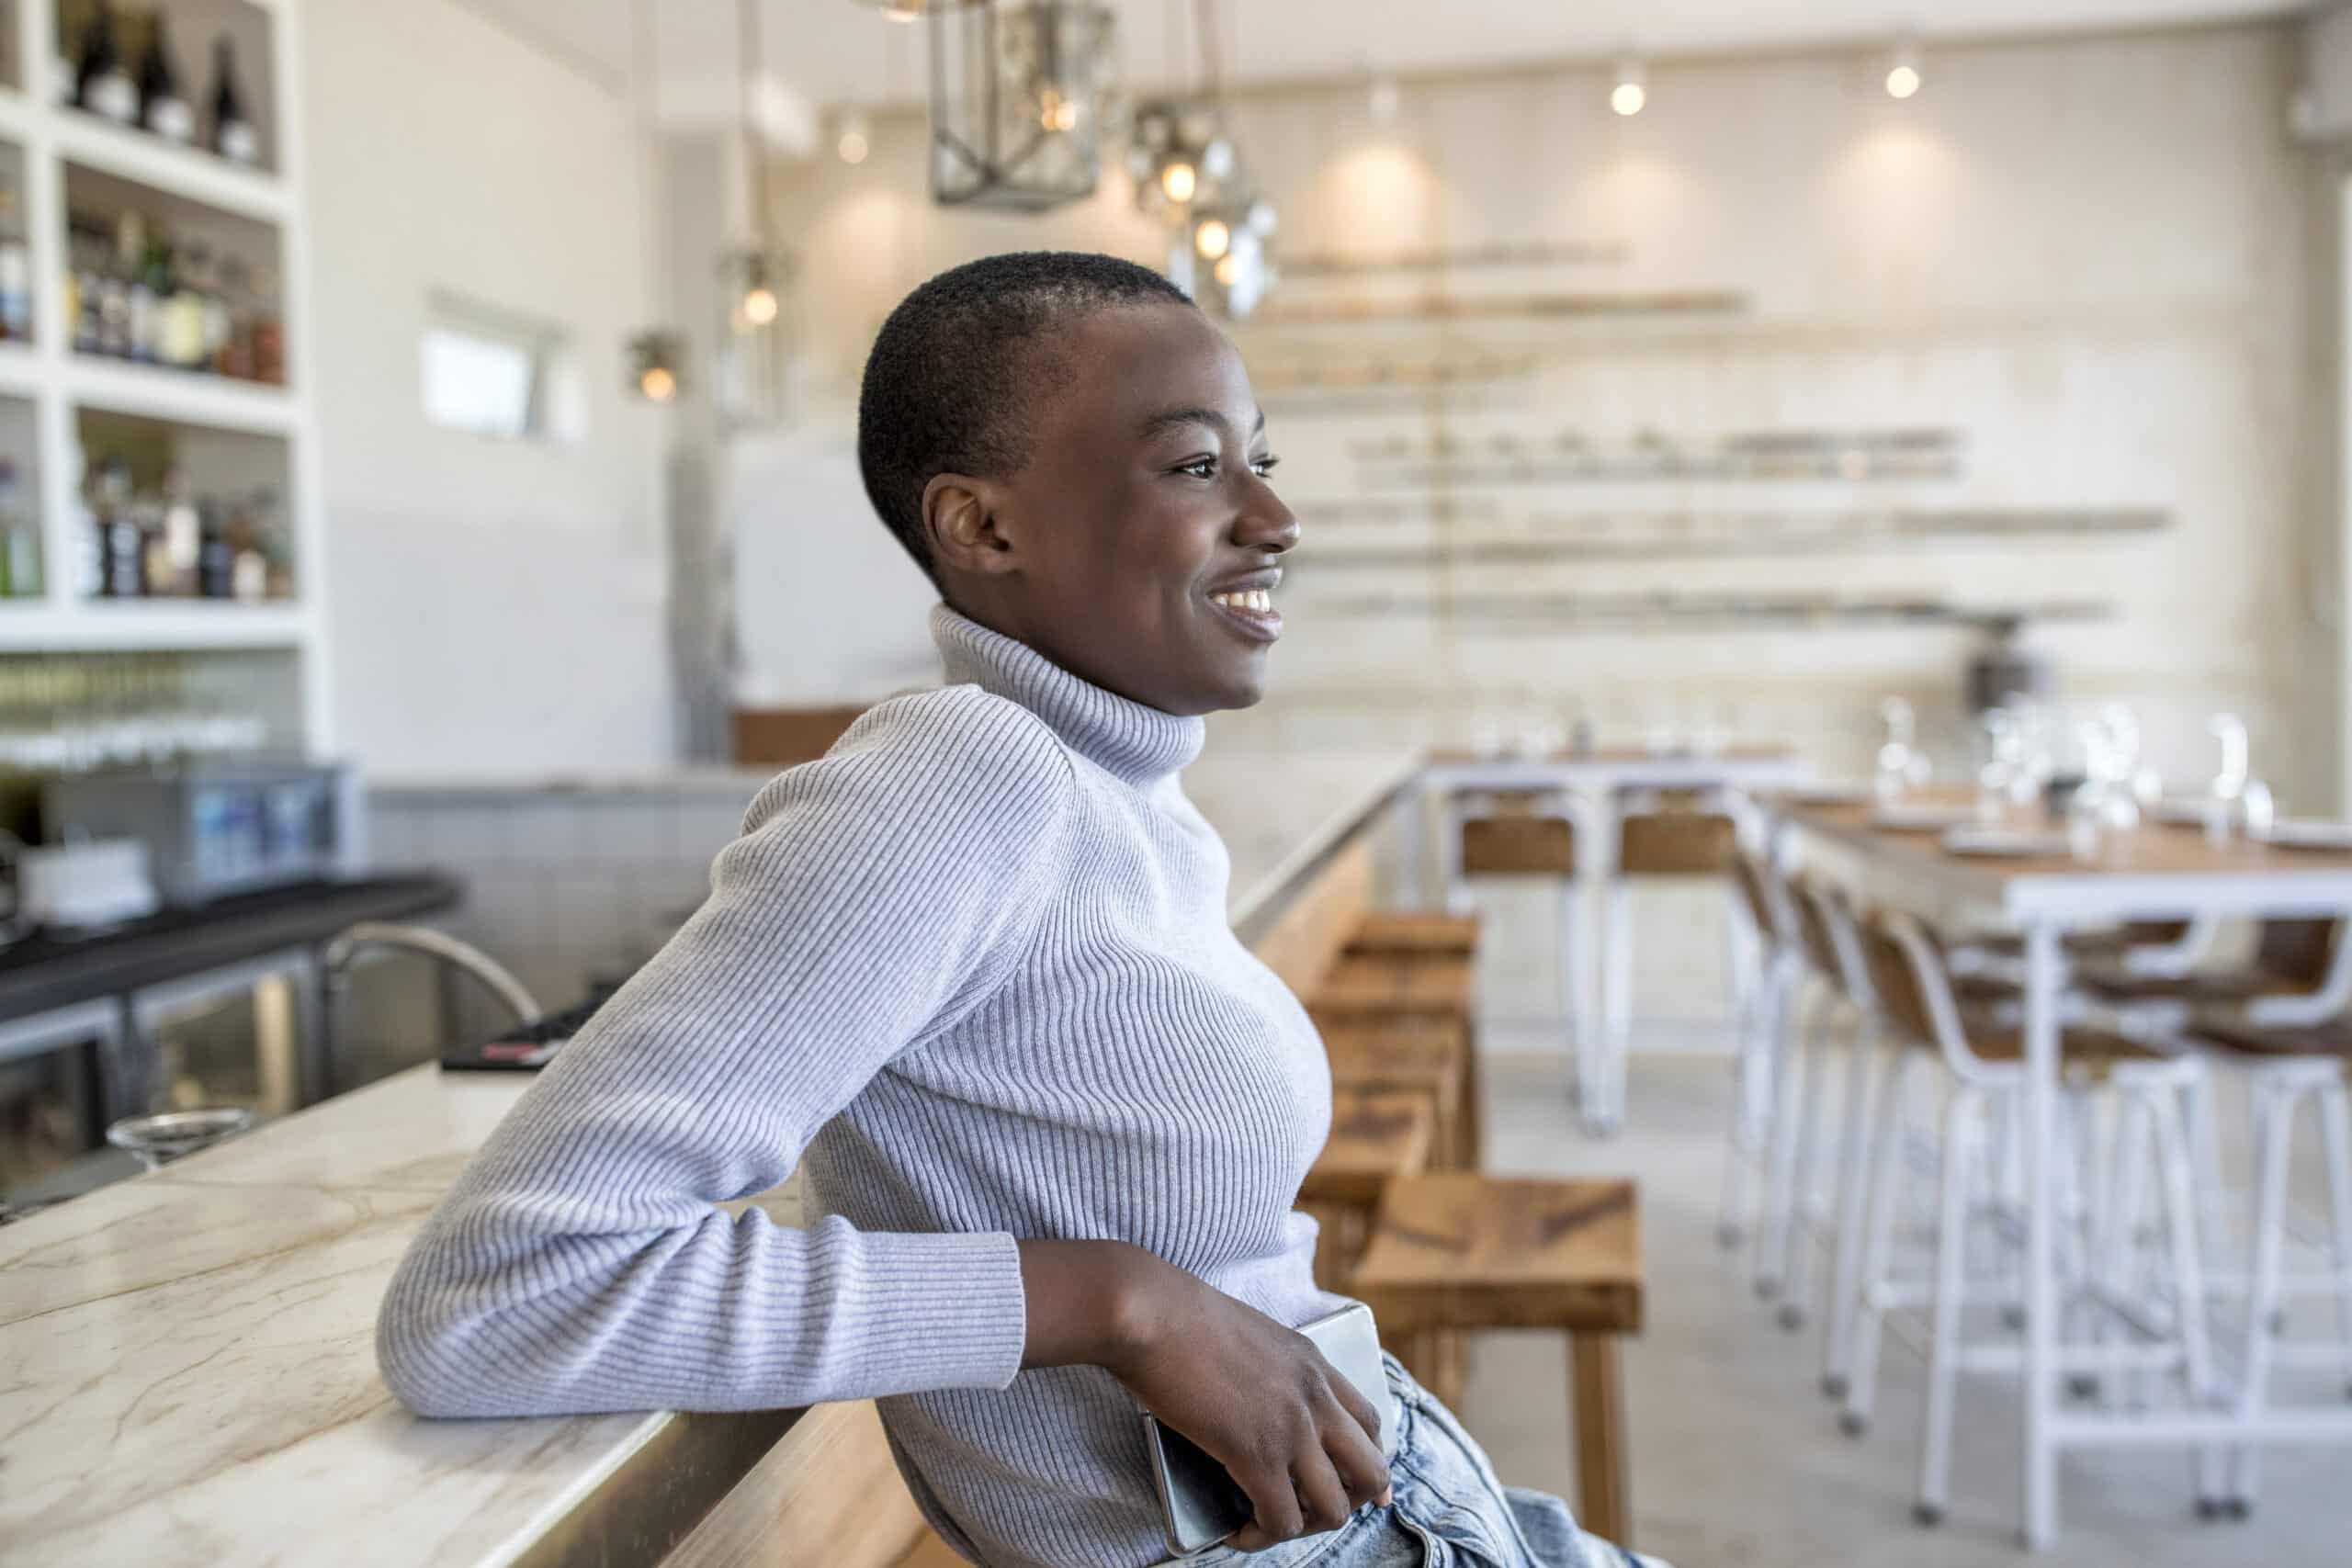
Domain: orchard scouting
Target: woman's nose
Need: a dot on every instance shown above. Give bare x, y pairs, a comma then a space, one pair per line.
1265, 523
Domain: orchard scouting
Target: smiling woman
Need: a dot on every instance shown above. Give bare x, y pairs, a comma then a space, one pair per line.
972, 973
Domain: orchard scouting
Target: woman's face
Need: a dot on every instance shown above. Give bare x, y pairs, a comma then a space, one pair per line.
1141, 545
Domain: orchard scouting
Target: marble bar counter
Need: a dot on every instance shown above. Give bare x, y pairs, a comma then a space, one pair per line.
188, 1375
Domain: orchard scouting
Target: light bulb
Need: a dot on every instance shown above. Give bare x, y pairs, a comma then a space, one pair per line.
904, 10
1228, 267
1179, 180
656, 382
1213, 238
853, 143
1056, 112
1630, 93
761, 305
1902, 71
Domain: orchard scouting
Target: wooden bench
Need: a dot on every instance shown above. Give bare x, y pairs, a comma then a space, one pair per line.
1454, 1251
1376, 1135
1424, 1059
1415, 989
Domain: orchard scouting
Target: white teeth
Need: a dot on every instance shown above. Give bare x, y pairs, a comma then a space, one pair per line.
1259, 600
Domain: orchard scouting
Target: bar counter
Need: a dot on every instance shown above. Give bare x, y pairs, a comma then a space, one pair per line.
187, 1365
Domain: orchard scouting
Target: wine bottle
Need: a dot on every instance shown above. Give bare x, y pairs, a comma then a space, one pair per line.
161, 110
100, 84
232, 132
16, 269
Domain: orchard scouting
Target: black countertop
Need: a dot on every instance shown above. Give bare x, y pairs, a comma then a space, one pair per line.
47, 971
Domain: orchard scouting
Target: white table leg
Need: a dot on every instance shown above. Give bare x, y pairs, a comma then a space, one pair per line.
1595, 814
2041, 1480
1412, 842
1449, 852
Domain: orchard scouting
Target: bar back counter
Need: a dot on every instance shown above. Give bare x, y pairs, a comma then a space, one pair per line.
187, 1364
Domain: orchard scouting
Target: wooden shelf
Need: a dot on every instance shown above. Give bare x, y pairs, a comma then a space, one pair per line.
154, 625
151, 161
185, 397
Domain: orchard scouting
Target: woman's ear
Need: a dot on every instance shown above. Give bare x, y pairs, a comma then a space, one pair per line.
963, 517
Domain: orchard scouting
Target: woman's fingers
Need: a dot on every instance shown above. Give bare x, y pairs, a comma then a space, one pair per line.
1354, 1455
1323, 1502
1275, 1498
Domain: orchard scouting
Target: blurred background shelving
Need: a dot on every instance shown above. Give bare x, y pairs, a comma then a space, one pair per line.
158, 493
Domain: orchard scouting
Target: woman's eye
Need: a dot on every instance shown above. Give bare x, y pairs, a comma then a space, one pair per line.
1264, 467
1198, 467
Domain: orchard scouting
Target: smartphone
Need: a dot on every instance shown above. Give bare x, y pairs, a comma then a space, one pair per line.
1199, 1503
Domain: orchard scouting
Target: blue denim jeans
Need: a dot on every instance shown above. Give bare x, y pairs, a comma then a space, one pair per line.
1447, 1510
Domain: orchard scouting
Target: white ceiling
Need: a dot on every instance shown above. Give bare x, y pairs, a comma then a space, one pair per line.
838, 50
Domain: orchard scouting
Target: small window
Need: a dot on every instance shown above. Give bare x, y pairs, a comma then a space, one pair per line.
489, 374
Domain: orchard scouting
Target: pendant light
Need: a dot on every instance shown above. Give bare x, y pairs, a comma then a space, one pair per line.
1017, 98
1188, 173
656, 355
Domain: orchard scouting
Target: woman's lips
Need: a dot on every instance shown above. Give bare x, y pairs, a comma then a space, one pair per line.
1241, 610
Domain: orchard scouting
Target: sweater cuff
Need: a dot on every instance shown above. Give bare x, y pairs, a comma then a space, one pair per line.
959, 1316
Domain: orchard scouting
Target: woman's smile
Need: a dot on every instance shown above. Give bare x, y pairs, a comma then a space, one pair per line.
1247, 603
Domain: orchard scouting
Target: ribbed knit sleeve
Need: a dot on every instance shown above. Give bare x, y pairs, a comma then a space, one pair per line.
580, 1263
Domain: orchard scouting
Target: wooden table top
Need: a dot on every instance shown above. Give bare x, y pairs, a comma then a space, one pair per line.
1375, 1134
1614, 756
1463, 1251
1400, 984
2159, 868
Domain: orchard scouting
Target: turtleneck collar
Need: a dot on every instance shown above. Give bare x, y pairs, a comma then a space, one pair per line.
1134, 743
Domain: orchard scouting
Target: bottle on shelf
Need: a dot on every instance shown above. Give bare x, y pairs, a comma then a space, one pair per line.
182, 535
19, 540
100, 84
232, 135
215, 560
16, 268
134, 291
161, 110
130, 267
122, 550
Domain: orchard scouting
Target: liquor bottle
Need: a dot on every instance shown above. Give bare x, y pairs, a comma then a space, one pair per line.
120, 568
232, 132
215, 561
161, 110
100, 84
130, 261
16, 269
19, 543
182, 533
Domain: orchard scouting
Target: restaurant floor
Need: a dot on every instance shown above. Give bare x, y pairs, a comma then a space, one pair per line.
1738, 1462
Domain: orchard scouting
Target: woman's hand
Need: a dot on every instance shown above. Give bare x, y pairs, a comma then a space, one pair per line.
1258, 1398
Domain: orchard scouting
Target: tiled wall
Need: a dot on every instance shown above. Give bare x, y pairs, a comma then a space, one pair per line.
563, 884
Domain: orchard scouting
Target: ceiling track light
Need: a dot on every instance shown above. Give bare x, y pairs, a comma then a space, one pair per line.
1632, 93
1902, 69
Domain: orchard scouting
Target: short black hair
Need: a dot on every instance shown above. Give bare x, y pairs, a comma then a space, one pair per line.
955, 373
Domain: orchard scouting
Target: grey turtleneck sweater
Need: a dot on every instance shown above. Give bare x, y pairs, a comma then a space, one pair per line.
972, 971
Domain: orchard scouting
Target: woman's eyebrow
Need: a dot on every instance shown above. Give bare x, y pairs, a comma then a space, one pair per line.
1167, 419
1161, 423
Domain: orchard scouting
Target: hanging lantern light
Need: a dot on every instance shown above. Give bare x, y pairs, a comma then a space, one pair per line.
1017, 98
1180, 156
1230, 254
656, 365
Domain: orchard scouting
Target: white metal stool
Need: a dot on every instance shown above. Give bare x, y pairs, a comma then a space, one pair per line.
1986, 1079
1758, 1029
2285, 1067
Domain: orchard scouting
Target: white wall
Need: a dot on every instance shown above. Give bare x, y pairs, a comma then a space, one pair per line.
2089, 255
492, 607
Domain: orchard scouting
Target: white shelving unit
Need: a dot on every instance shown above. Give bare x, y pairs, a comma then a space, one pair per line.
60, 383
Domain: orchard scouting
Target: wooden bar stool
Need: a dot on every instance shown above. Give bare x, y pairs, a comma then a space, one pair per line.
1376, 1136
1434, 989
1659, 834
1455, 1251
2285, 1066
1520, 834
1424, 1059
1413, 934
